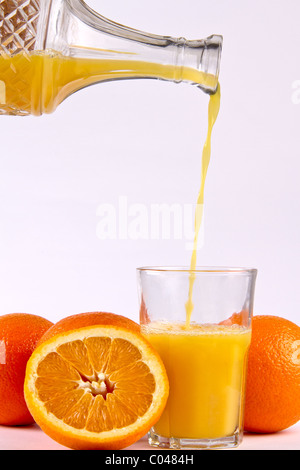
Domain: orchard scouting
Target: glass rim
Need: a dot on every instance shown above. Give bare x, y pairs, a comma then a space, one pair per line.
220, 270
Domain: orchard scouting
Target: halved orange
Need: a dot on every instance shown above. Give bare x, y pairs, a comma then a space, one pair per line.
96, 387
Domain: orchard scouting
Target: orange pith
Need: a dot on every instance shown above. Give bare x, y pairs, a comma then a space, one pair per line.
97, 387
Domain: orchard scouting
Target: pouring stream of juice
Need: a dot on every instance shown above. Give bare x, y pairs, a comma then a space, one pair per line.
49, 50
29, 88
213, 111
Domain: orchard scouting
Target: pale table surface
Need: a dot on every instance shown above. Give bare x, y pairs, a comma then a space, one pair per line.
32, 438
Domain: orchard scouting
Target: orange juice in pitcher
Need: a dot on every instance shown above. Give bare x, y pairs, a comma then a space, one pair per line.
50, 49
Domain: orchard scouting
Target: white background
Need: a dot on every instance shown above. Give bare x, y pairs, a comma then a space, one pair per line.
143, 140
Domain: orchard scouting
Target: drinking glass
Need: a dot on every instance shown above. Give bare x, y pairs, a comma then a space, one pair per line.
200, 324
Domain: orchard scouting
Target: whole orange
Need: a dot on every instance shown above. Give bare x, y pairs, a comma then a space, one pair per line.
273, 379
19, 334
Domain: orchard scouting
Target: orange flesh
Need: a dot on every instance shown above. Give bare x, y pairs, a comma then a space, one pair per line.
97, 384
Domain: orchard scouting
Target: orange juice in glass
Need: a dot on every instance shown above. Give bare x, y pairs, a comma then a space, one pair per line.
205, 358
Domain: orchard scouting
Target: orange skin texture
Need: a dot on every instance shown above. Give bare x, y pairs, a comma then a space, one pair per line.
273, 379
81, 320
19, 334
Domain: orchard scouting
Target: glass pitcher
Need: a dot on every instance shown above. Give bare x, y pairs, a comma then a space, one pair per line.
50, 49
